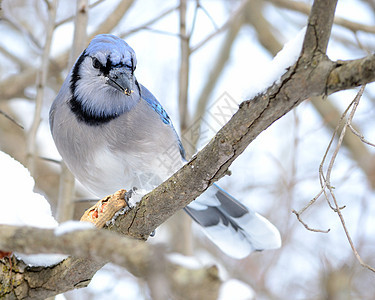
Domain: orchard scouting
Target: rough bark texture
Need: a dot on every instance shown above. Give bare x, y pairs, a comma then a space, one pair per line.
92, 249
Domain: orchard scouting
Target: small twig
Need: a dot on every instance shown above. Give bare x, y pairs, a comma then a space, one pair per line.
11, 119
42, 77
208, 15
84, 200
233, 17
183, 79
65, 209
14, 58
71, 18
194, 21
306, 226
356, 254
55, 161
28, 34
350, 125
323, 183
305, 9
325, 179
311, 202
147, 25
361, 137
157, 31
354, 103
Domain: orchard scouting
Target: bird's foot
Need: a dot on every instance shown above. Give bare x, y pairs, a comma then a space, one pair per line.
108, 208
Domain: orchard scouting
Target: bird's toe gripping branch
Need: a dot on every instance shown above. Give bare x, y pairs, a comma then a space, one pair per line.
107, 209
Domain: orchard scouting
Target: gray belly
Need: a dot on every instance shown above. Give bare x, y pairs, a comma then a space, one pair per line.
135, 150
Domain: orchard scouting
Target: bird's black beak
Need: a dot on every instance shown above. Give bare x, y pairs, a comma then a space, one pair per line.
121, 80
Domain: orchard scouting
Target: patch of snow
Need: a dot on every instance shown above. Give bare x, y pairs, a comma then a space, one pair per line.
70, 226
236, 289
189, 262
21, 206
273, 71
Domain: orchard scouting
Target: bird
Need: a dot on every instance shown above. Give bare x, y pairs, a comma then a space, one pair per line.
105, 123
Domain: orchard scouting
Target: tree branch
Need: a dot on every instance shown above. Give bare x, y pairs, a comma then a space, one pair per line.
98, 245
351, 73
303, 80
94, 248
305, 9
318, 32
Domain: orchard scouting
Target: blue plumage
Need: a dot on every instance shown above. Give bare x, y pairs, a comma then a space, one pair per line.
155, 105
105, 123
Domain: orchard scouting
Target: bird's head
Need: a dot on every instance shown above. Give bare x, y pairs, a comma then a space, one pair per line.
102, 80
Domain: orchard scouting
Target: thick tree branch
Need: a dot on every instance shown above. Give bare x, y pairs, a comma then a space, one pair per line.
95, 247
351, 73
304, 79
98, 245
318, 31
329, 113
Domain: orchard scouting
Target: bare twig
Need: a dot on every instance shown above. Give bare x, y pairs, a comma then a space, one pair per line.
360, 135
325, 179
55, 161
327, 182
305, 9
181, 226
23, 30
307, 226
65, 209
194, 21
80, 28
41, 84
351, 127
323, 183
71, 18
11, 119
215, 73
23, 65
199, 5
149, 23
113, 18
183, 80
233, 17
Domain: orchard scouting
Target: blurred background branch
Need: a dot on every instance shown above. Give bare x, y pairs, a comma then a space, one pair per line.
65, 207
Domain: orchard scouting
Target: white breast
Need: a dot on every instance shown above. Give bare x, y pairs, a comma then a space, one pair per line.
111, 171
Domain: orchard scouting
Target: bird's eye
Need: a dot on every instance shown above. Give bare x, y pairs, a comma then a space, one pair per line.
96, 63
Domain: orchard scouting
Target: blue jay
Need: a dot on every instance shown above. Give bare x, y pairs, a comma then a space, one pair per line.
105, 123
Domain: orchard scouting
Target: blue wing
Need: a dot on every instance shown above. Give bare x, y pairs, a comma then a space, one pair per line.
155, 105
158, 108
